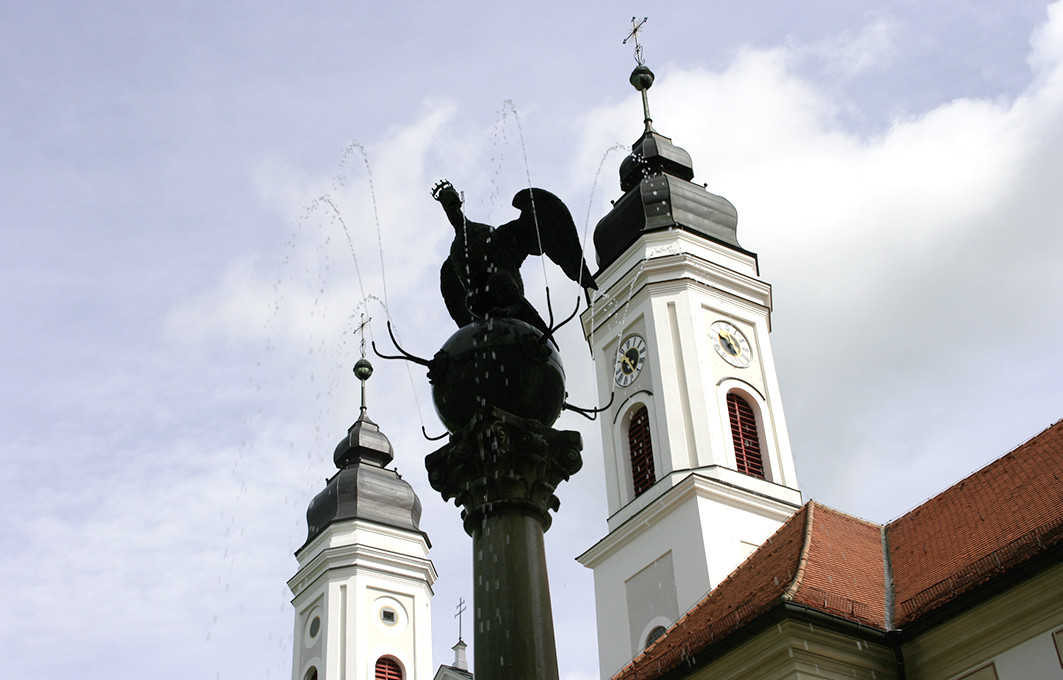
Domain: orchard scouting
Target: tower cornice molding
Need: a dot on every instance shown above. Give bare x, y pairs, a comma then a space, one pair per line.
654, 507
673, 241
362, 558
345, 544
351, 531
675, 273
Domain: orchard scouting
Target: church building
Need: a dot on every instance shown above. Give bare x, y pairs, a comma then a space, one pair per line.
712, 567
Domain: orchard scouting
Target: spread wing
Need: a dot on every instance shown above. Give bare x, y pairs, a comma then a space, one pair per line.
556, 233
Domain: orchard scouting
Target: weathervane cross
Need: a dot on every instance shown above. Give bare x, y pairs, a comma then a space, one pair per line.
461, 610
636, 28
361, 331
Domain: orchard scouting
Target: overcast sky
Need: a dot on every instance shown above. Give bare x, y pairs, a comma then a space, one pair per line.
193, 200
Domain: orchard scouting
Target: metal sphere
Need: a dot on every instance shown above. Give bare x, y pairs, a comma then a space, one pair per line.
498, 362
363, 369
641, 78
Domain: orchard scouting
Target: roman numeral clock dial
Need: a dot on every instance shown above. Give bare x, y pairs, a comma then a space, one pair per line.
629, 360
731, 345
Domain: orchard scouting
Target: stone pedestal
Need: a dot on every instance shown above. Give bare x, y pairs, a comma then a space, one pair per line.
502, 470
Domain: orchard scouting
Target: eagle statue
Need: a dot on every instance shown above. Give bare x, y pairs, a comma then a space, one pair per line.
481, 277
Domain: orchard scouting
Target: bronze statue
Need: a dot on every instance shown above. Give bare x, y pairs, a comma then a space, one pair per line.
481, 277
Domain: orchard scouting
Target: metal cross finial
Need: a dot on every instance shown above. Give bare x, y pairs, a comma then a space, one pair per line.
461, 610
361, 331
636, 28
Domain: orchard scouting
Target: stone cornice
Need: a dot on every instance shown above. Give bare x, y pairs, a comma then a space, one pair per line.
361, 556
674, 269
357, 558
691, 486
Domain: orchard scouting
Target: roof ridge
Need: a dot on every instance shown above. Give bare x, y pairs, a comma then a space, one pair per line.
887, 575
802, 560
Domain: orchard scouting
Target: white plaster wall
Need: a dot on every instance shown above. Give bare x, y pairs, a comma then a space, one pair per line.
731, 532
670, 533
349, 572
671, 301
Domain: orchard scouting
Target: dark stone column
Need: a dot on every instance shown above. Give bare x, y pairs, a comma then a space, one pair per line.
503, 469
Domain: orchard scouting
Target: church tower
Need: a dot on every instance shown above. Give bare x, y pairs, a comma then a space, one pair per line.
698, 466
363, 590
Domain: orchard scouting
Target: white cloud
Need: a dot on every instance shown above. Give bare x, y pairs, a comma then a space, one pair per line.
854, 52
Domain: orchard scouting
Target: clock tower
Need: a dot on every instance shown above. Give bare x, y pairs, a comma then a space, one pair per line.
698, 465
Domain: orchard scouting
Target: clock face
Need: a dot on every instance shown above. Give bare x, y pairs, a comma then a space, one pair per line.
731, 344
629, 360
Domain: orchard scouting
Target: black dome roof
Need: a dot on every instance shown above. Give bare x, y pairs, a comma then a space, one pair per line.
659, 195
367, 492
363, 488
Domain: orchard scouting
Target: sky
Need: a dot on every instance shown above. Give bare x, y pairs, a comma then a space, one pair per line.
199, 199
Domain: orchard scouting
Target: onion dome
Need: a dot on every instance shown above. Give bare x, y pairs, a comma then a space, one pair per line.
364, 489
658, 194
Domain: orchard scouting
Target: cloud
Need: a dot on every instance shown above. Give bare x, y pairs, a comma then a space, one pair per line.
855, 52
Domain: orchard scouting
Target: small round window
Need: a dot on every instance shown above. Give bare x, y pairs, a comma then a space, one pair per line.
655, 635
389, 616
312, 627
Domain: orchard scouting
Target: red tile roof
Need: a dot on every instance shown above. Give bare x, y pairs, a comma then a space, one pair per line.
993, 520
999, 517
845, 574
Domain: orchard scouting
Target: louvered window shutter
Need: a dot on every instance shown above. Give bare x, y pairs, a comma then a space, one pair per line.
744, 433
387, 669
638, 439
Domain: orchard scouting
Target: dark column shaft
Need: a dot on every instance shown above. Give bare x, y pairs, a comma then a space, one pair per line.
503, 469
514, 636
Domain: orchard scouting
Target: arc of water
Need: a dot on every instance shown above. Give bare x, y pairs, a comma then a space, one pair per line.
527, 172
356, 146
340, 181
590, 201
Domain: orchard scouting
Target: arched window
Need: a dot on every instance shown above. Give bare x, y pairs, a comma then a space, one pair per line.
638, 440
744, 433
388, 669
655, 635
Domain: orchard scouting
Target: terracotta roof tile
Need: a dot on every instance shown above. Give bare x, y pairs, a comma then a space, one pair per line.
845, 573
991, 521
